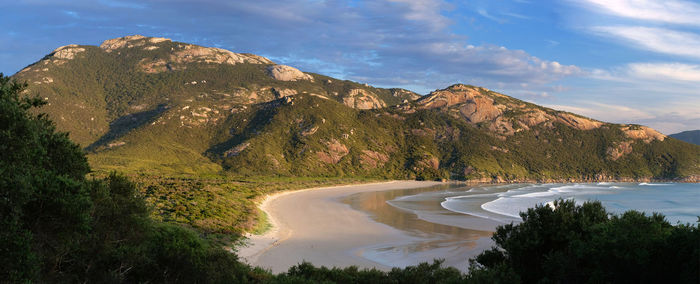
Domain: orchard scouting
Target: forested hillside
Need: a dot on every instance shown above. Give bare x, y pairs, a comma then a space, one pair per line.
151, 105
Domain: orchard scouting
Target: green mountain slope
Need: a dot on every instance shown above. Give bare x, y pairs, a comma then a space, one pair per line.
142, 104
691, 136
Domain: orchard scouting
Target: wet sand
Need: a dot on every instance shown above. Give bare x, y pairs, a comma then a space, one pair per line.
353, 225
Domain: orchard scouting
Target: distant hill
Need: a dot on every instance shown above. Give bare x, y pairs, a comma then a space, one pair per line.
691, 136
140, 104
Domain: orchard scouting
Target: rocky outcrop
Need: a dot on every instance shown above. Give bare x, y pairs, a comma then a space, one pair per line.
401, 93
478, 109
453, 95
502, 115
130, 42
577, 121
236, 150
198, 54
180, 55
309, 131
154, 66
534, 117
428, 162
334, 153
619, 149
287, 73
281, 93
362, 99
643, 133
117, 43
67, 52
371, 159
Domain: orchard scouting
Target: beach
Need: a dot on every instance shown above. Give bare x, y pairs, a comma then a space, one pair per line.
324, 227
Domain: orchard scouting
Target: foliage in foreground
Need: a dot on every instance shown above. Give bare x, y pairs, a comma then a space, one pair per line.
583, 244
421, 273
58, 226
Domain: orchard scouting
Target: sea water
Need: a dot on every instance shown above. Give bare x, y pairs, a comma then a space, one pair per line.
455, 222
679, 202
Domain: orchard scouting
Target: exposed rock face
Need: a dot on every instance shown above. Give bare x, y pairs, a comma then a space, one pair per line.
127, 41
480, 109
199, 54
67, 52
535, 117
157, 39
371, 159
334, 153
287, 73
643, 133
281, 93
578, 122
182, 54
154, 66
131, 41
501, 114
428, 163
619, 149
237, 150
405, 93
362, 99
309, 131
453, 95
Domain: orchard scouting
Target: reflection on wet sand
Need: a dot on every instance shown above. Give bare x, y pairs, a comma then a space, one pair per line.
441, 239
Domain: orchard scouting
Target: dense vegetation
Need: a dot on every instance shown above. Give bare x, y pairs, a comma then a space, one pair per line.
58, 226
276, 142
198, 118
220, 207
583, 244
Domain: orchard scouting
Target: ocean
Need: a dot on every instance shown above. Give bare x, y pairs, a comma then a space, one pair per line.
456, 221
679, 202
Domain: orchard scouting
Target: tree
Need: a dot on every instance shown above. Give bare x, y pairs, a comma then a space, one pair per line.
584, 243
43, 199
57, 226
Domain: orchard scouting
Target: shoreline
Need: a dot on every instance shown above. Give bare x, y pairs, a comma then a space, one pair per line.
320, 226
314, 225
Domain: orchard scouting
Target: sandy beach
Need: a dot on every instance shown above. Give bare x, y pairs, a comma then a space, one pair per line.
314, 225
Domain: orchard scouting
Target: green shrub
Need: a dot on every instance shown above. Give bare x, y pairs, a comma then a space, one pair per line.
583, 243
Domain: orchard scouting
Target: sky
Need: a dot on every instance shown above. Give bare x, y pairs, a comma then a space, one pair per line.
622, 61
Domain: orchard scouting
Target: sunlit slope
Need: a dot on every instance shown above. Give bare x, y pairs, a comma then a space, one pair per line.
140, 104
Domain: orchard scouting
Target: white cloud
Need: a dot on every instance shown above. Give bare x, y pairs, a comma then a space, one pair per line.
427, 11
606, 112
656, 39
650, 73
665, 71
484, 13
516, 15
667, 121
666, 11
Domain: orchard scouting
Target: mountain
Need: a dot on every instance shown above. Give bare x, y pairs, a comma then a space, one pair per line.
141, 104
691, 136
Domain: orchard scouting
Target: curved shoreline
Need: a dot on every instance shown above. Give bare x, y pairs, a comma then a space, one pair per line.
313, 225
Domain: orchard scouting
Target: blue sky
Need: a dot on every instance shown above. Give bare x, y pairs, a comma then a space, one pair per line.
624, 61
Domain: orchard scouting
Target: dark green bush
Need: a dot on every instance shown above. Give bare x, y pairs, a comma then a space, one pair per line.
583, 243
